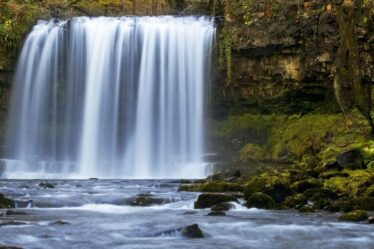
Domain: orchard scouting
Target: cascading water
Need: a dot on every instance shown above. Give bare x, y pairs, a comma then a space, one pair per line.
111, 98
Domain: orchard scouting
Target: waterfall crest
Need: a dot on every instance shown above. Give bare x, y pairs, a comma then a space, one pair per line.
111, 98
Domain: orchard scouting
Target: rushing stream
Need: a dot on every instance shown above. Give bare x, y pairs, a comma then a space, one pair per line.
96, 214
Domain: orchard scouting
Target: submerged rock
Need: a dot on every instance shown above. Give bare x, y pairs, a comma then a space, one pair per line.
352, 159
357, 215
260, 200
192, 231
217, 213
147, 200
207, 200
13, 212
224, 206
60, 222
12, 223
46, 185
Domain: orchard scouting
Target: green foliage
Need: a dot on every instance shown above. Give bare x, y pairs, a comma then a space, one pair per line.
251, 152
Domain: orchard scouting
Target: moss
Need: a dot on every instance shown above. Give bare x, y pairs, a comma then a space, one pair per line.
260, 200
214, 186
355, 216
251, 152
295, 201
302, 186
306, 209
354, 185
370, 191
5, 202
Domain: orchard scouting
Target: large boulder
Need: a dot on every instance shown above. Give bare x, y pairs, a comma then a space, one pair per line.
207, 200
295, 201
260, 200
351, 159
357, 215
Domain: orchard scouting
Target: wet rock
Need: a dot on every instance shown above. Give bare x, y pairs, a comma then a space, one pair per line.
13, 212
357, 215
5, 202
46, 185
224, 206
207, 200
217, 213
144, 200
352, 159
302, 186
93, 178
306, 209
184, 181
12, 223
371, 220
260, 200
193, 231
190, 212
332, 166
60, 222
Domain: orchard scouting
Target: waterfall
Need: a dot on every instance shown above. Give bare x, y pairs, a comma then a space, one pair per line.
111, 98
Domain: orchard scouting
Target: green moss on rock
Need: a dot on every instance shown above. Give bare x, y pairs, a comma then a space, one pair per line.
302, 186
260, 200
355, 216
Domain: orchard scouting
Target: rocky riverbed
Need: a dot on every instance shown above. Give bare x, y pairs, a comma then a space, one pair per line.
153, 214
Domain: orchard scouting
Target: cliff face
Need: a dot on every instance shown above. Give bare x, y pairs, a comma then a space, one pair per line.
282, 57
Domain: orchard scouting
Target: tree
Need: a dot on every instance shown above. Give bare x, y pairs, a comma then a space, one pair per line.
348, 76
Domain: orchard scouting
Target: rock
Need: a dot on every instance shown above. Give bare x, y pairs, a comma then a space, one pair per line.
144, 200
260, 200
295, 201
357, 215
207, 200
190, 212
93, 178
314, 194
193, 231
332, 166
302, 186
352, 159
5, 202
185, 181
278, 191
60, 222
371, 220
364, 203
46, 185
306, 209
224, 206
12, 212
341, 206
12, 223
217, 213
273, 186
